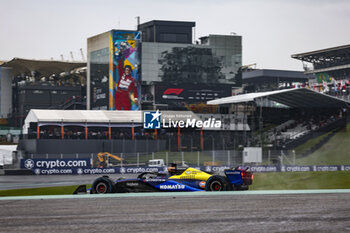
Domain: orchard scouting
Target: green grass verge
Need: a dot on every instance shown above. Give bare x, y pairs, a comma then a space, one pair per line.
333, 152
310, 143
58, 190
301, 180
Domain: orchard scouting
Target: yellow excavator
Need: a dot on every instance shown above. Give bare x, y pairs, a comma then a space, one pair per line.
103, 159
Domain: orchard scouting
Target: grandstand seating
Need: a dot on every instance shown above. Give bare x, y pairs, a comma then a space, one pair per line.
296, 129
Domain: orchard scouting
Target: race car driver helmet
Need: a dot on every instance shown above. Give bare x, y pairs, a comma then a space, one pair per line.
172, 169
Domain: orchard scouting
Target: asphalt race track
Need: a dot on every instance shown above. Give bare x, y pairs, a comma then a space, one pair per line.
249, 211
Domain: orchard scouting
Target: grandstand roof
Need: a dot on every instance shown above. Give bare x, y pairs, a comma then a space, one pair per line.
327, 60
96, 117
309, 56
295, 98
44, 67
281, 74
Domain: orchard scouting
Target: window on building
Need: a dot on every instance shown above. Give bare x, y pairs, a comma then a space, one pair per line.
172, 37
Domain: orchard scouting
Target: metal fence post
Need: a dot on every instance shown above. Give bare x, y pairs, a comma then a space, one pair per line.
138, 158
198, 158
61, 156
293, 157
268, 157
32, 156
182, 157
228, 158
121, 161
234, 157
47, 156
213, 158
281, 157
166, 157
152, 155
77, 156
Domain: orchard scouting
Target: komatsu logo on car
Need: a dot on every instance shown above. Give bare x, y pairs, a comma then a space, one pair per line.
172, 186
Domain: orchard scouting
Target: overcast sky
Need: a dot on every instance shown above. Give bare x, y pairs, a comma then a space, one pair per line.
272, 30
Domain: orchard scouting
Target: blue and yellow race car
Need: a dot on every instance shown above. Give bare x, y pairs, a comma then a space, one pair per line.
177, 179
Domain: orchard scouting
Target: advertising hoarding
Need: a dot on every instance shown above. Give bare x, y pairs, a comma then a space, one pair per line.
185, 96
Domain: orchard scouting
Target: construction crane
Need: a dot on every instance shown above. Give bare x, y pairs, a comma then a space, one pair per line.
103, 158
250, 66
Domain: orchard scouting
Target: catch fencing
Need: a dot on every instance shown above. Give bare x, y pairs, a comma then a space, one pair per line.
228, 158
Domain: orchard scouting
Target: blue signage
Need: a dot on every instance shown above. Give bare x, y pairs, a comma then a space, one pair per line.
151, 120
55, 163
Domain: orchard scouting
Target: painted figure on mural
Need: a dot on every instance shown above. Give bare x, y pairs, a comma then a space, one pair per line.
127, 92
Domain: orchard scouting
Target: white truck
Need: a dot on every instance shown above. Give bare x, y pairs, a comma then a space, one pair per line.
160, 163
156, 163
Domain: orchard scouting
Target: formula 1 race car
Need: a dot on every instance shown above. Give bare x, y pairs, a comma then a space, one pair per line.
178, 179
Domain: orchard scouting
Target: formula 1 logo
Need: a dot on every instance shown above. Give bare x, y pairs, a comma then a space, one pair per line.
29, 163
151, 120
175, 91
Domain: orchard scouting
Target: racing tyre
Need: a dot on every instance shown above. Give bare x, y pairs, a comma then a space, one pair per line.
216, 183
103, 185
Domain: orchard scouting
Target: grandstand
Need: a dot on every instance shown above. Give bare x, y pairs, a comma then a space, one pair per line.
93, 131
306, 111
258, 80
41, 84
332, 69
335, 61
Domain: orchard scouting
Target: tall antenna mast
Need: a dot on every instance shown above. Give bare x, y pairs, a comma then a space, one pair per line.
82, 54
137, 22
71, 55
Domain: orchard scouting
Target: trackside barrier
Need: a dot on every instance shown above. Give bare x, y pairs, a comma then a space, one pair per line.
59, 169
199, 158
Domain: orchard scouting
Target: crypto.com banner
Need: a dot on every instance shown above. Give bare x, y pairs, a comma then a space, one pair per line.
55, 163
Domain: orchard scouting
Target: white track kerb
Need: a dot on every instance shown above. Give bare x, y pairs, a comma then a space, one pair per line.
174, 194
